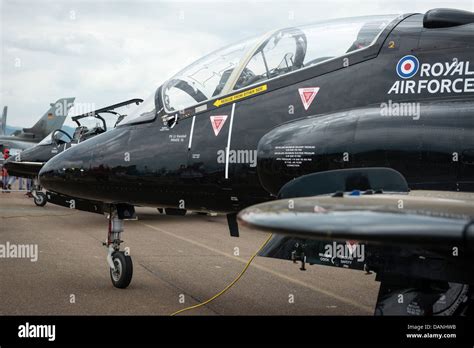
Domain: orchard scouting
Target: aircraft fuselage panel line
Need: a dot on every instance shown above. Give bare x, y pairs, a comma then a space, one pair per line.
191, 133
227, 149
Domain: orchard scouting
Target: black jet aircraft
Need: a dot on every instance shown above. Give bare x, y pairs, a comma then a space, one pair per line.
28, 163
388, 98
52, 119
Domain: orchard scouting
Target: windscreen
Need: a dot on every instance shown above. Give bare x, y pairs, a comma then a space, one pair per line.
145, 112
47, 140
204, 79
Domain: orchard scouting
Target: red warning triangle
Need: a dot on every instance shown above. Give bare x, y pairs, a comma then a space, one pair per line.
307, 95
217, 123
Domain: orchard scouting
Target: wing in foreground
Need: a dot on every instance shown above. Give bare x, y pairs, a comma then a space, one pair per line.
381, 219
421, 247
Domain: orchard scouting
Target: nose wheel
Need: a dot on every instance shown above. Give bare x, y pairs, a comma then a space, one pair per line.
121, 275
40, 199
120, 262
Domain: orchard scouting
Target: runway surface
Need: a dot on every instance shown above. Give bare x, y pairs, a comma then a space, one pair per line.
191, 257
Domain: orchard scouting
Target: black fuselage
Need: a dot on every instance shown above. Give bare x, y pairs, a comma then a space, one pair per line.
353, 124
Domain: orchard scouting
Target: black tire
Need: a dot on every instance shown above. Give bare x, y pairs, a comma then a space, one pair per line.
123, 276
40, 199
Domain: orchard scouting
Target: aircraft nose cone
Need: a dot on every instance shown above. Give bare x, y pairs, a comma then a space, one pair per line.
63, 172
52, 175
90, 170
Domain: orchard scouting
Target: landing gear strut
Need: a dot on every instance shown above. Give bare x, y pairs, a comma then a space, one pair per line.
39, 197
120, 262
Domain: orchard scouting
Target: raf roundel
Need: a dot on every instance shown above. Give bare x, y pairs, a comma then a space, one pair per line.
407, 67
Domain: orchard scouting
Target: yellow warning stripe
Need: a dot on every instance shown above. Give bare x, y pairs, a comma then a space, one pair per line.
241, 95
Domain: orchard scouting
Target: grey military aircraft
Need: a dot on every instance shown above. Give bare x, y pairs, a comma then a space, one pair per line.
22, 139
30, 161
3, 121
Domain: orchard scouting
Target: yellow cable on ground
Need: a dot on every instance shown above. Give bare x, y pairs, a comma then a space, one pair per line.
228, 286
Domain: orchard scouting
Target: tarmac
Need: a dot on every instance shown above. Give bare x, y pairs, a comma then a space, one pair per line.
175, 258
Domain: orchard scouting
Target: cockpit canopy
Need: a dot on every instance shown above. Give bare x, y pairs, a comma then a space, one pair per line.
259, 59
56, 137
266, 57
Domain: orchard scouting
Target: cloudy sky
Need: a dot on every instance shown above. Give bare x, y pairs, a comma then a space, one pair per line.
103, 52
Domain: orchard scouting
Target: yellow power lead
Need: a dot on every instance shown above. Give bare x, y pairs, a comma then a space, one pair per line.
228, 286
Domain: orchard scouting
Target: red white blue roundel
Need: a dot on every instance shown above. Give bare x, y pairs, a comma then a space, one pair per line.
407, 67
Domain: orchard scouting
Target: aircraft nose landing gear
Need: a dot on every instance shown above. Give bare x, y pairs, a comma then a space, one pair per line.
38, 196
122, 273
120, 262
40, 199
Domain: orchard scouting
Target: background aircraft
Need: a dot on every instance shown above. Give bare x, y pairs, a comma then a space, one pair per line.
52, 119
30, 161
242, 123
3, 121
